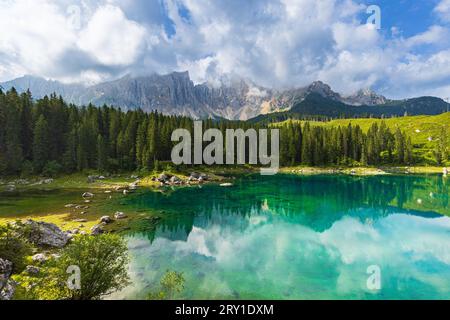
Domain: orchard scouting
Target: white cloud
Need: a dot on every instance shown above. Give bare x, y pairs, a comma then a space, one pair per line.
443, 10
111, 38
275, 43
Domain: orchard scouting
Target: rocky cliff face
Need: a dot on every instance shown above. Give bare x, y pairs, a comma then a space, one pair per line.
176, 94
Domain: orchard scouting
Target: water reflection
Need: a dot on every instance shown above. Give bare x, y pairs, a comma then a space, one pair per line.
299, 238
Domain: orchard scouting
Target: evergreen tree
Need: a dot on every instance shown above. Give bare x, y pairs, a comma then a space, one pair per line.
40, 144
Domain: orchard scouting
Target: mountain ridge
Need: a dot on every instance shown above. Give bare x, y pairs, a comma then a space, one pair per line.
176, 94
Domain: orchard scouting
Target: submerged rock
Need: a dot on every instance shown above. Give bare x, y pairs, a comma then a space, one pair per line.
88, 195
120, 215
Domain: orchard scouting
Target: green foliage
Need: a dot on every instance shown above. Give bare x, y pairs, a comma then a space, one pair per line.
52, 169
13, 248
171, 284
102, 261
50, 132
103, 264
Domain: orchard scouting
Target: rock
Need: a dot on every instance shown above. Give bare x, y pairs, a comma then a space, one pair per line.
445, 171
87, 201
39, 257
80, 220
101, 178
32, 270
175, 180
97, 229
47, 181
6, 267
10, 188
7, 286
70, 205
106, 219
226, 185
108, 191
88, 195
163, 177
75, 231
194, 175
91, 179
43, 234
120, 215
125, 192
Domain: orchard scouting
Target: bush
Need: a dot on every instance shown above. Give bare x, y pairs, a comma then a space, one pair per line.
14, 248
52, 169
102, 261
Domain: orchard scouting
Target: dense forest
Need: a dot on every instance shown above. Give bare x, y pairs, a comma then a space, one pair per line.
49, 136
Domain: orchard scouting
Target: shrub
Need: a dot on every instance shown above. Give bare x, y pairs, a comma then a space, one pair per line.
13, 248
103, 264
52, 169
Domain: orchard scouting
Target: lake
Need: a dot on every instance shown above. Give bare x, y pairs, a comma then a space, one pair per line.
292, 237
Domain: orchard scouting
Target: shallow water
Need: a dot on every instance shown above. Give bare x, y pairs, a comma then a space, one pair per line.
287, 237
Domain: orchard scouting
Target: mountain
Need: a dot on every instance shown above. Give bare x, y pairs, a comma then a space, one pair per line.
365, 97
235, 99
318, 106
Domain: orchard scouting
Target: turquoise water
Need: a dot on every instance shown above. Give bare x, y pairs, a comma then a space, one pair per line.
287, 237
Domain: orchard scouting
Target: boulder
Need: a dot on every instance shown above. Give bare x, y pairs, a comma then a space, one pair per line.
163, 177
195, 175
97, 229
91, 179
39, 257
10, 188
7, 285
106, 219
226, 184
175, 180
5, 271
120, 215
43, 234
32, 270
88, 195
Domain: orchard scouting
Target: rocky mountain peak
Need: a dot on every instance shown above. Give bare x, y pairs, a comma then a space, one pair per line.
366, 97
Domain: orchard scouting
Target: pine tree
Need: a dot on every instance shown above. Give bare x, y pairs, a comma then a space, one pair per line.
40, 144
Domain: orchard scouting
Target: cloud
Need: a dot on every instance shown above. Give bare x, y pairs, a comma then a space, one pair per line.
443, 10
111, 38
274, 43
288, 257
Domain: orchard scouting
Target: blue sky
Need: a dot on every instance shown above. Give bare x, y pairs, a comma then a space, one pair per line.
273, 43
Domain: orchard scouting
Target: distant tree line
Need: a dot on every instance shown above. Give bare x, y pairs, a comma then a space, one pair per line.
49, 136
318, 146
